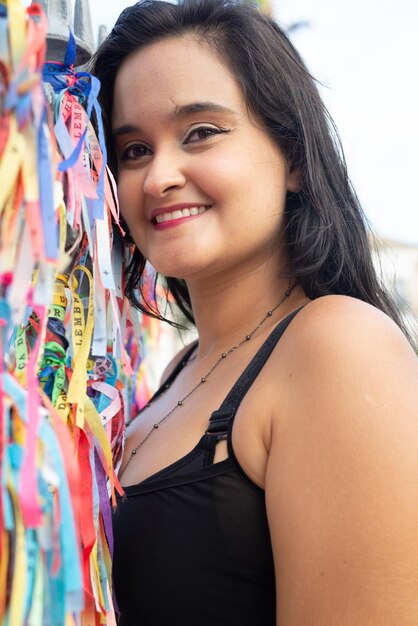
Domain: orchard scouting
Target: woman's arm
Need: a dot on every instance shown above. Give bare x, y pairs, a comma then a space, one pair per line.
342, 476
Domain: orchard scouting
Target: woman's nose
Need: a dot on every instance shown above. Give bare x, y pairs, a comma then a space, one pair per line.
164, 173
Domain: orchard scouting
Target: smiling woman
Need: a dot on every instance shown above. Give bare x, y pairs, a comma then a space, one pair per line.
267, 482
200, 149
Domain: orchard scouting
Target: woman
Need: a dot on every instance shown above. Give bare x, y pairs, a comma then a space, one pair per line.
299, 503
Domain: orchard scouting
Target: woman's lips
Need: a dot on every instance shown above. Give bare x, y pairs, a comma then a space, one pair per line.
176, 216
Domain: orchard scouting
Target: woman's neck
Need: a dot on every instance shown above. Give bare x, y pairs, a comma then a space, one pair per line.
226, 309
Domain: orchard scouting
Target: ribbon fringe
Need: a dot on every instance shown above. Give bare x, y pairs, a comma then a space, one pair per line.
70, 374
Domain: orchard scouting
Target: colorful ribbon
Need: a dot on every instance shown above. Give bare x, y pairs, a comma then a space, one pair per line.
69, 339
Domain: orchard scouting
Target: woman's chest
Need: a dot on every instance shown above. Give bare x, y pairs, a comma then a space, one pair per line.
166, 431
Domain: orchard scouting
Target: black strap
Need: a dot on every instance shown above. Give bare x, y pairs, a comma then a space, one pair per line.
220, 419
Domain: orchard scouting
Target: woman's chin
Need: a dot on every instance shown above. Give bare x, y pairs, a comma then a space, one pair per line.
179, 270
184, 265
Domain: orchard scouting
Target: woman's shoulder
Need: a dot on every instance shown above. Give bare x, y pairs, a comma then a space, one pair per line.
337, 352
346, 325
339, 309
343, 357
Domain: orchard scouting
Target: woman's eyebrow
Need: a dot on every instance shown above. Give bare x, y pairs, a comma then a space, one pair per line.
125, 129
201, 107
180, 111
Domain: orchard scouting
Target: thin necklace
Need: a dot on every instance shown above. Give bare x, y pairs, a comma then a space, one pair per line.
201, 382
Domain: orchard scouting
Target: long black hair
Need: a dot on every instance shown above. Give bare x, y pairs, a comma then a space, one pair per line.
325, 231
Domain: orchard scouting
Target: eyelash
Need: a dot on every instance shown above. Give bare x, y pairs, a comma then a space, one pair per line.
211, 130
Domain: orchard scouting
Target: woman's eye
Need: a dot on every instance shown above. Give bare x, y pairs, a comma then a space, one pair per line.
204, 132
135, 151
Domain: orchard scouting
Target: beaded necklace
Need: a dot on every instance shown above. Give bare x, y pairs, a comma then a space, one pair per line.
201, 382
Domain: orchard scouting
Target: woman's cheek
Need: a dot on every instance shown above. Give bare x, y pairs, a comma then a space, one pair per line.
129, 198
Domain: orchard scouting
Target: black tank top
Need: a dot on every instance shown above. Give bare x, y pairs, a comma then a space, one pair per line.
191, 542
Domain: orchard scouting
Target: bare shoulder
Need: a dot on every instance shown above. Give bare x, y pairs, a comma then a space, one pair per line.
352, 375
342, 473
349, 318
334, 332
340, 353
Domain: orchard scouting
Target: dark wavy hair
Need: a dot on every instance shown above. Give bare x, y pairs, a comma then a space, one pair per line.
325, 231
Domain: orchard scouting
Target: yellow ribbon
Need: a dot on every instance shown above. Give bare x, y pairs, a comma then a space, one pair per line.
5, 552
11, 162
64, 258
93, 420
62, 406
19, 568
16, 15
81, 336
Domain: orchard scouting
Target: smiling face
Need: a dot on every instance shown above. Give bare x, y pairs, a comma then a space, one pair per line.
201, 186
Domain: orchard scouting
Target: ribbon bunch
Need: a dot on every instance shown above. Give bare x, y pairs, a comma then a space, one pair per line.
69, 340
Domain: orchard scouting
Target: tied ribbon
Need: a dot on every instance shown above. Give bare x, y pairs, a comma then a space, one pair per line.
85, 88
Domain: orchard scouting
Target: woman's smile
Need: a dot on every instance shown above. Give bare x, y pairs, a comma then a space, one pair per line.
175, 215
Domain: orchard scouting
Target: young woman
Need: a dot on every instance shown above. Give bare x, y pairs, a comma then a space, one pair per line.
273, 479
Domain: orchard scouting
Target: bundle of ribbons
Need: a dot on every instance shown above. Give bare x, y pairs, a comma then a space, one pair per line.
69, 340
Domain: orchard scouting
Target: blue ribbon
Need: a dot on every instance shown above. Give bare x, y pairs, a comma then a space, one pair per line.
70, 53
86, 88
46, 194
70, 575
66, 591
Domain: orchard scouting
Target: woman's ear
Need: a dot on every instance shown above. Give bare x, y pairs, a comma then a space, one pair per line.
294, 182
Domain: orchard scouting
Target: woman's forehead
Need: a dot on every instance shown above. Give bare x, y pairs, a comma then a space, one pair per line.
172, 74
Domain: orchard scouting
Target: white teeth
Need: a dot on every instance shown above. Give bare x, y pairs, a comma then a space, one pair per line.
175, 215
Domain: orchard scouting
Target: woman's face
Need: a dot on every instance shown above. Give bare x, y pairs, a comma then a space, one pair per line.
201, 186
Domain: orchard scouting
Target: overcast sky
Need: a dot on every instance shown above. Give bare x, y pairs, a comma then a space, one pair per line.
364, 52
